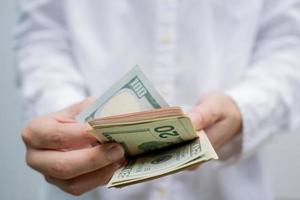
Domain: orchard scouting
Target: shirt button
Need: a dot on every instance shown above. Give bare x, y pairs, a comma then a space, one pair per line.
165, 39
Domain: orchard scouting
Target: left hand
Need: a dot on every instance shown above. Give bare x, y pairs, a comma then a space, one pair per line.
219, 116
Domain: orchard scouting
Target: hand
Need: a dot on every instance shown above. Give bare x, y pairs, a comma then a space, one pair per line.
219, 116
60, 149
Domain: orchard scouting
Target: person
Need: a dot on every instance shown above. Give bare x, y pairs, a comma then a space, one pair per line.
234, 65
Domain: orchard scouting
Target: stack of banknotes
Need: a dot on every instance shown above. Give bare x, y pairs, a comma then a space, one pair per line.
158, 139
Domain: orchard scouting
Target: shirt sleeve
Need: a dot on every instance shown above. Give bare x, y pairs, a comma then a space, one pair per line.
268, 94
48, 77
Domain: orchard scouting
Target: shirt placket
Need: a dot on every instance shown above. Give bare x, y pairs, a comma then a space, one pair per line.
164, 68
165, 38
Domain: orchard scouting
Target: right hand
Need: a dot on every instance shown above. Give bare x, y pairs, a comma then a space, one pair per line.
60, 149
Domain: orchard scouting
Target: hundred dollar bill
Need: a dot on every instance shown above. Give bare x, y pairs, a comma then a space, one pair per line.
133, 93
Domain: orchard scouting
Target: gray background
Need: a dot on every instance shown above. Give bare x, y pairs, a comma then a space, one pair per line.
19, 182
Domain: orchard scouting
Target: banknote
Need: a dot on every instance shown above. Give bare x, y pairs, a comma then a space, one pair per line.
133, 93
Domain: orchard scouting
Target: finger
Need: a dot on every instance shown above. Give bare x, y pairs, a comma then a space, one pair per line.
205, 115
220, 133
47, 133
86, 182
75, 109
66, 165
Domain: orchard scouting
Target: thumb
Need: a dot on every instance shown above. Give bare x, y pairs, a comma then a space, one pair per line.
75, 109
204, 115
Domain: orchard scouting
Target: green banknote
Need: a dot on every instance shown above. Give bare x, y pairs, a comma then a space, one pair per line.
133, 93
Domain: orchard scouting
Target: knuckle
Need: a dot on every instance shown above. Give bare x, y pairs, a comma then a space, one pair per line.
29, 161
29, 129
57, 138
209, 116
32, 125
214, 115
73, 188
26, 136
62, 169
93, 159
83, 130
204, 117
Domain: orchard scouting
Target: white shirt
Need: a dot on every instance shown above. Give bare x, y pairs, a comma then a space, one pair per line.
69, 49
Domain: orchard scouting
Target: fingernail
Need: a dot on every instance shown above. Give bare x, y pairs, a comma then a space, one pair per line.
119, 164
115, 152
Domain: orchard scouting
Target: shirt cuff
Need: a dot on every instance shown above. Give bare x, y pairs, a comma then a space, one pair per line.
245, 143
